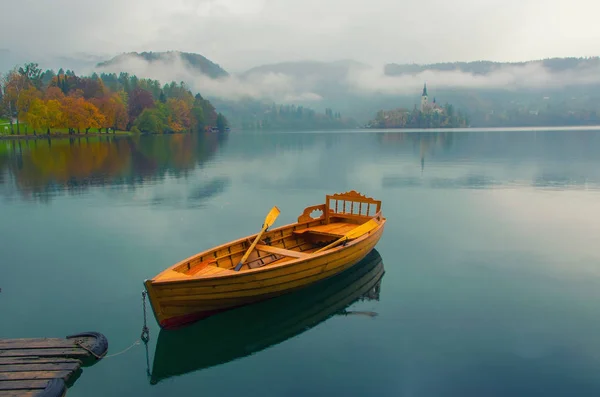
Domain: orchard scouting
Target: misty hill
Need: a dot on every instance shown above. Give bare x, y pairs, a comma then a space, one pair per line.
308, 68
323, 78
553, 65
314, 84
553, 91
192, 60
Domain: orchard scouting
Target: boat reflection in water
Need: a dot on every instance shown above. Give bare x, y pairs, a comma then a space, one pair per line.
218, 340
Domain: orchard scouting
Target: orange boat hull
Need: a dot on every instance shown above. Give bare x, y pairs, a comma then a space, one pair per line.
201, 286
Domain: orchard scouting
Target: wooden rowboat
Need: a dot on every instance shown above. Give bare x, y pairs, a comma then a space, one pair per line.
218, 340
271, 263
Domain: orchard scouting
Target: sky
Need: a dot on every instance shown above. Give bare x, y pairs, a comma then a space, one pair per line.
240, 34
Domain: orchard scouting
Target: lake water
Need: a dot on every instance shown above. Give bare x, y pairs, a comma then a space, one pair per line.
486, 281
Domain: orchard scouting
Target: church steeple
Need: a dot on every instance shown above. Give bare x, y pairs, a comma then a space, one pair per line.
424, 104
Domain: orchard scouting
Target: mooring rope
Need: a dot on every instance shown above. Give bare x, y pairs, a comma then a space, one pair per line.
137, 342
144, 337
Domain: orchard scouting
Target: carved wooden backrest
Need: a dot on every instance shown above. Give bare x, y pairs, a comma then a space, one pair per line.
351, 203
313, 213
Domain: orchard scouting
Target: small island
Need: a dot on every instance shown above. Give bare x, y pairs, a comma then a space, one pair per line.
429, 115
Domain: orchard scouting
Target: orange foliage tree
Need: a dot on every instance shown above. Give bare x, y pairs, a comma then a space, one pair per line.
55, 114
37, 116
179, 115
112, 107
109, 101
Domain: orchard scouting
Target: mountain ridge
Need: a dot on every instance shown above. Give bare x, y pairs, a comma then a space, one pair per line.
194, 60
483, 67
331, 68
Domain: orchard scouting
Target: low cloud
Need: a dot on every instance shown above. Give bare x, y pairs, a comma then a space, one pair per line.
531, 75
312, 86
274, 86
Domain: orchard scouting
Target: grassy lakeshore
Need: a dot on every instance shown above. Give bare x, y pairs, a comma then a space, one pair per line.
62, 135
27, 132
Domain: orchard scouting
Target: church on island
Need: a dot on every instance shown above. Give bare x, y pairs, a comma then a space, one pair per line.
428, 115
427, 107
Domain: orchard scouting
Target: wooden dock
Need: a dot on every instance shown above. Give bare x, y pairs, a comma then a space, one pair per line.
47, 366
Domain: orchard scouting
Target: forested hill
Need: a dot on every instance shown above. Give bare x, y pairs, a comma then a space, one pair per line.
192, 60
552, 65
49, 101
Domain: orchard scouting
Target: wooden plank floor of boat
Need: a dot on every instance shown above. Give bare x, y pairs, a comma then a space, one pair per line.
46, 366
337, 229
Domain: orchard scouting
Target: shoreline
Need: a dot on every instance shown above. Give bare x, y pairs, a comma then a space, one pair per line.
490, 129
61, 135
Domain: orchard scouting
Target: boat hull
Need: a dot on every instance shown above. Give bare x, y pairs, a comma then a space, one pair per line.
217, 340
180, 302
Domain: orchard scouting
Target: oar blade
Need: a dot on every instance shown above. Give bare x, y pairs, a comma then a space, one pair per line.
362, 229
269, 220
352, 234
272, 216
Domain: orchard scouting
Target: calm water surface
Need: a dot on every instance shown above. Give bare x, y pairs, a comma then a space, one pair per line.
486, 281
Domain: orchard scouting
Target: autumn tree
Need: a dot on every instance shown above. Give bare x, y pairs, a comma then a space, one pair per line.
113, 109
65, 100
73, 113
54, 93
179, 115
26, 97
121, 115
3, 108
36, 116
55, 115
92, 117
14, 85
139, 99
107, 107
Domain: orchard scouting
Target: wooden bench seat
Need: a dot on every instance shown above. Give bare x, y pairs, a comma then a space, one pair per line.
281, 251
337, 229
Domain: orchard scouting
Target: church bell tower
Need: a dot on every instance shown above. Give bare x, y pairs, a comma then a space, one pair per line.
424, 98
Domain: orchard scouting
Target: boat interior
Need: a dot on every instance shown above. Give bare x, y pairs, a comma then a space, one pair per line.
317, 226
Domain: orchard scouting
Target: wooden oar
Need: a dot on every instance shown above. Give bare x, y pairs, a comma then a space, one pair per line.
269, 220
352, 234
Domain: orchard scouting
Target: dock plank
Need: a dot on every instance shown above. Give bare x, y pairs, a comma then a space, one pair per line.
36, 360
42, 343
33, 365
24, 384
73, 366
20, 393
34, 375
74, 352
